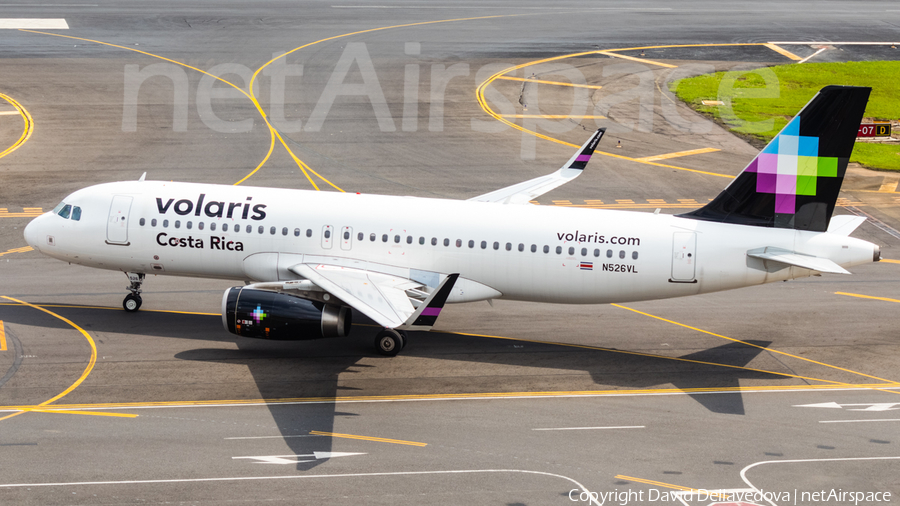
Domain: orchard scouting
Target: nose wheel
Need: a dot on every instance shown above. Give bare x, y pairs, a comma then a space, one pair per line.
132, 303
133, 300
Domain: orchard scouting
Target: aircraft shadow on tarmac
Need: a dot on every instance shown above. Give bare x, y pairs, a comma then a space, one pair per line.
304, 369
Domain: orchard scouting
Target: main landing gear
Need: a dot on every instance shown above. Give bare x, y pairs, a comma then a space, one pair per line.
133, 300
389, 342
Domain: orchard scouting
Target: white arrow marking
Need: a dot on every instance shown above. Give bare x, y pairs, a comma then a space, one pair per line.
294, 459
871, 406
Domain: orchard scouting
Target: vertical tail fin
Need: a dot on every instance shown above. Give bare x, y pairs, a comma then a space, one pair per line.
795, 180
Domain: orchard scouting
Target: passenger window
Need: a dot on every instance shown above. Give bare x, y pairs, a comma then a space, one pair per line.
328, 234
622, 254
483, 244
153, 222
634, 255
521, 247
237, 228
271, 230
559, 250
142, 222
396, 239
496, 245
596, 252
249, 228
346, 235
212, 227
459, 243
384, 238
200, 225
546, 249
189, 225
446, 242
571, 250
609, 253
296, 232
471, 243
421, 240
224, 227
372, 237
434, 241
360, 236
584, 252
534, 248
177, 223
76, 214
165, 223
65, 211
309, 232
509, 246
409, 239
284, 231
262, 229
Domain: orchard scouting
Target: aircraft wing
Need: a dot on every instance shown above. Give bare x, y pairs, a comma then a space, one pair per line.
522, 193
386, 299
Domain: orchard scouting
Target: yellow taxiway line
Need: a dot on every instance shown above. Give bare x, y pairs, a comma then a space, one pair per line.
869, 296
23, 249
367, 438
551, 116
886, 260
677, 154
634, 58
782, 51
2, 337
27, 130
667, 485
44, 406
555, 83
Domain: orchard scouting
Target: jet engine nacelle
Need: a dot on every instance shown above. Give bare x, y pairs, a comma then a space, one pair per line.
264, 314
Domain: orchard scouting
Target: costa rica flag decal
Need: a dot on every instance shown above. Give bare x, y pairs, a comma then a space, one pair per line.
586, 266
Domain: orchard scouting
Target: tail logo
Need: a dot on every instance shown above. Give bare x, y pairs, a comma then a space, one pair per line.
789, 166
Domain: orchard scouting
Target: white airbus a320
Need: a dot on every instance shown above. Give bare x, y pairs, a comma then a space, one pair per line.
310, 258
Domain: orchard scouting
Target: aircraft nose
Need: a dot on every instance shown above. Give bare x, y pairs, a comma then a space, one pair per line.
32, 234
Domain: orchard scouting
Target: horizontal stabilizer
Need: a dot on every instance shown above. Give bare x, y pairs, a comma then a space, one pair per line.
524, 192
786, 257
845, 224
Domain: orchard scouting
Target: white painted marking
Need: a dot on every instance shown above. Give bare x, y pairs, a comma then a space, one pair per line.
498, 7
33, 24
8, 113
812, 55
837, 43
819, 405
598, 428
855, 421
801, 461
870, 406
295, 459
300, 477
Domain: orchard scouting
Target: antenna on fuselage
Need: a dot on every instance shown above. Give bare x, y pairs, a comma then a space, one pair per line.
142, 176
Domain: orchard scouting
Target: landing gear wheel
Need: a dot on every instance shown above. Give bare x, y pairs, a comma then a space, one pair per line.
389, 342
132, 303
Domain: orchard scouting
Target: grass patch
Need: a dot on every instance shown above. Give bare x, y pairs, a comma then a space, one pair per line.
759, 103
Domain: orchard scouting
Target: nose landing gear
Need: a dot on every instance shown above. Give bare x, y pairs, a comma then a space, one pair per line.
133, 300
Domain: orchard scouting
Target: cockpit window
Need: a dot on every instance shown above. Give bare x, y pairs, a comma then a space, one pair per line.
65, 211
76, 213
58, 207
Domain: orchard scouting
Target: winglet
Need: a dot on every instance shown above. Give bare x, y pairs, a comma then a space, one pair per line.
580, 159
426, 314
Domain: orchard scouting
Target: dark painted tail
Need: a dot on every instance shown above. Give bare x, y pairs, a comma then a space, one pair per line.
794, 182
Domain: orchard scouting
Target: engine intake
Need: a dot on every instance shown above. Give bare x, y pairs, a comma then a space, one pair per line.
263, 314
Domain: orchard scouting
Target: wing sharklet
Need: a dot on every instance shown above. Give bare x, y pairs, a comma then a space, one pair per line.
524, 192
425, 316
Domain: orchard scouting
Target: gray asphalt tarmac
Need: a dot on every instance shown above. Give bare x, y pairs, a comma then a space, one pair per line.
787, 389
